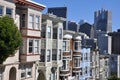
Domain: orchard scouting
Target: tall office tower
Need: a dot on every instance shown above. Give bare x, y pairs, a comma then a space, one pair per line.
103, 20
87, 29
73, 26
60, 12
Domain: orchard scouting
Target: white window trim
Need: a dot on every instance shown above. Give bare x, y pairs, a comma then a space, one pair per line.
37, 23
67, 45
33, 47
78, 45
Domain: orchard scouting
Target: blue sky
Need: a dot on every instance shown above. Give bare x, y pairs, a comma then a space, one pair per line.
84, 9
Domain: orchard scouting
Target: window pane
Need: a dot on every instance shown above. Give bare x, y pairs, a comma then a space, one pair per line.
60, 33
54, 54
42, 56
30, 46
48, 55
37, 22
76, 45
59, 54
1, 10
29, 71
64, 45
23, 20
36, 45
23, 75
49, 31
9, 12
31, 21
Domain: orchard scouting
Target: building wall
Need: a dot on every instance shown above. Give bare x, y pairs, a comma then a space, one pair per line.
85, 63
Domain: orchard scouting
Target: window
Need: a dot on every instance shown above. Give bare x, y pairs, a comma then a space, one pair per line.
1, 74
76, 63
54, 54
31, 21
30, 46
76, 45
48, 55
9, 12
37, 22
23, 73
86, 70
36, 46
60, 33
60, 54
49, 31
42, 56
23, 20
66, 45
65, 65
26, 71
81, 71
1, 10
54, 33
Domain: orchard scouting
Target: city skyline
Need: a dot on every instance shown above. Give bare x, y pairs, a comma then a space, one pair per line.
77, 10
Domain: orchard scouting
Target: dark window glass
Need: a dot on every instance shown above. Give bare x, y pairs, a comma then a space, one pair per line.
9, 12
1, 10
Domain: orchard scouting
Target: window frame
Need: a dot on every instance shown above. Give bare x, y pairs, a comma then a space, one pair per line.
1, 9
37, 22
10, 15
49, 32
31, 21
33, 47
60, 33
60, 54
48, 55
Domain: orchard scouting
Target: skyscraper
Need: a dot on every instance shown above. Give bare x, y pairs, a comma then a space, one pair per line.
60, 12
102, 26
103, 20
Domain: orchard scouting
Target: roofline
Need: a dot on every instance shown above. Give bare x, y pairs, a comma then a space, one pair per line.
30, 3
